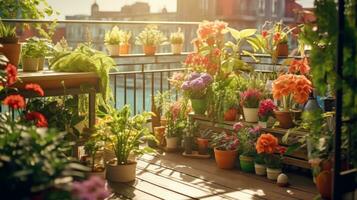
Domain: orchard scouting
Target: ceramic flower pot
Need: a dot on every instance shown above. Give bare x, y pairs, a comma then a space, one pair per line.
324, 183
285, 119
12, 52
172, 142
260, 170
30, 64
199, 106
246, 163
149, 50
231, 114
176, 48
272, 174
41, 63
124, 49
113, 49
250, 114
160, 134
121, 173
188, 143
202, 144
282, 49
225, 159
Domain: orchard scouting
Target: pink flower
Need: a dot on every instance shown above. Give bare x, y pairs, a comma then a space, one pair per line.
250, 98
237, 126
266, 108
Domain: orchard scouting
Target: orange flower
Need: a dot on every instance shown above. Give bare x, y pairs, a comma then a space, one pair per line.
266, 143
299, 66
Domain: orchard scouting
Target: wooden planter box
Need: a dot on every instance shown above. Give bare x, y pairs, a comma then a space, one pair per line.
298, 158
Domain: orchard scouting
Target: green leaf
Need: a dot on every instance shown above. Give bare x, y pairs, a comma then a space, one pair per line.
247, 33
235, 33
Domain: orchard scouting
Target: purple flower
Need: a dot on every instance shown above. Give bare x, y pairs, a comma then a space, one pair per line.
197, 84
206, 78
255, 130
237, 126
193, 76
186, 85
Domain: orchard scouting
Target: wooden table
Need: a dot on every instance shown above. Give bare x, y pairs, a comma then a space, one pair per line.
62, 83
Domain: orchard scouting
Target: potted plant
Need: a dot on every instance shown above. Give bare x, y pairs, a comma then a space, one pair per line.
92, 147
43, 48
267, 145
247, 137
10, 45
125, 134
225, 149
266, 112
112, 40
124, 46
290, 88
30, 56
160, 106
150, 38
188, 137
195, 87
203, 141
176, 40
259, 165
250, 103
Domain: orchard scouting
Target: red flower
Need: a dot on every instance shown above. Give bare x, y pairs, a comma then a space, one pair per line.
216, 52
277, 37
15, 101
39, 119
264, 33
11, 71
35, 87
281, 150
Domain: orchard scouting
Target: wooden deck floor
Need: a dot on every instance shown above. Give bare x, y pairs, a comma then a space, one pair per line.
171, 176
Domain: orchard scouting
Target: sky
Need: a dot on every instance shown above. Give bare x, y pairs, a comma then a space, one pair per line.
74, 7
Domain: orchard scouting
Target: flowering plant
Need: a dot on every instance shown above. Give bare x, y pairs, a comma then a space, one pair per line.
276, 33
266, 109
200, 63
291, 87
212, 32
299, 66
151, 36
177, 116
112, 37
177, 37
225, 141
196, 84
250, 98
93, 188
247, 137
268, 145
177, 79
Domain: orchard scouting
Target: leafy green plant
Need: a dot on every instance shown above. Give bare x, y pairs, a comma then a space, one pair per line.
162, 101
247, 137
125, 37
7, 33
177, 37
151, 36
126, 133
113, 36
225, 141
177, 117
37, 47
92, 146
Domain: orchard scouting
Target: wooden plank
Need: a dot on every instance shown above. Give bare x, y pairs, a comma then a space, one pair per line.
232, 178
124, 191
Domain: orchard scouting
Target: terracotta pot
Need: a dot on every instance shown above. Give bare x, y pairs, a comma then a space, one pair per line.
231, 114
199, 106
160, 134
113, 49
251, 114
176, 48
225, 159
282, 49
30, 64
296, 114
172, 142
272, 174
285, 119
324, 183
202, 144
124, 49
246, 163
12, 52
149, 50
41, 63
260, 170
121, 173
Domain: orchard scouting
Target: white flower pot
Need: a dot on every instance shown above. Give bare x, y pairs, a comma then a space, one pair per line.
260, 170
172, 142
263, 124
113, 49
272, 174
250, 114
176, 48
109, 155
121, 173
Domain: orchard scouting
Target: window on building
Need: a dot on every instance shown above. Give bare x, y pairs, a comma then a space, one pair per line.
261, 7
274, 8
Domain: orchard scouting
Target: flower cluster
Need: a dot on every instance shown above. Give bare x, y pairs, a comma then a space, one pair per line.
225, 141
92, 189
11, 76
266, 109
211, 32
297, 85
37, 118
200, 63
299, 66
268, 144
196, 84
247, 136
177, 79
250, 98
177, 108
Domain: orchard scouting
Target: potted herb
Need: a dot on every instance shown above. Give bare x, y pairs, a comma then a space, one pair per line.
30, 56
195, 87
150, 38
10, 45
176, 40
250, 102
124, 47
225, 149
188, 137
125, 134
290, 88
112, 40
266, 112
40, 48
92, 147
259, 165
203, 141
247, 137
267, 145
